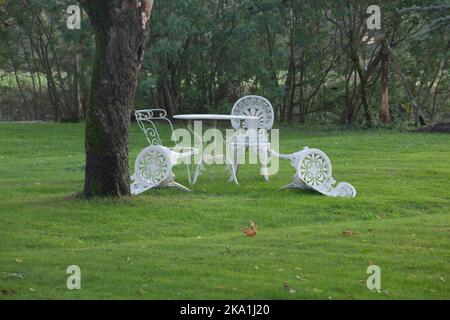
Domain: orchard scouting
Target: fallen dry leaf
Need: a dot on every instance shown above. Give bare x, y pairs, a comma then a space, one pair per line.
250, 231
18, 260
349, 233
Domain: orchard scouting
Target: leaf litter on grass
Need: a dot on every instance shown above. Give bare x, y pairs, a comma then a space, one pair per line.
250, 231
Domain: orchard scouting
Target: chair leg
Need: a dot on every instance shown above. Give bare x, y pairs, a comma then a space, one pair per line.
179, 186
197, 172
234, 168
291, 185
296, 184
264, 159
233, 171
237, 152
188, 170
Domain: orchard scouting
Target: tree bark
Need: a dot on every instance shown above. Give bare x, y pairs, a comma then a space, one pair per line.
350, 100
384, 112
78, 111
120, 43
289, 95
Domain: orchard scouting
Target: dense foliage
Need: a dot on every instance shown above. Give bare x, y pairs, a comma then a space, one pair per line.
314, 59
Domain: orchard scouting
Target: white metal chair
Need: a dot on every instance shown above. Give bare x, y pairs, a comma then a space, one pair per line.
252, 135
153, 165
313, 171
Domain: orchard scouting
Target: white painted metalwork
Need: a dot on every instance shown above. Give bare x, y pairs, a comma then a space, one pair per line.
253, 135
254, 106
214, 117
199, 166
313, 171
153, 165
145, 120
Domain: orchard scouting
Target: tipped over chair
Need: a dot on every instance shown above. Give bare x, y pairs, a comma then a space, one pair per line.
153, 165
313, 171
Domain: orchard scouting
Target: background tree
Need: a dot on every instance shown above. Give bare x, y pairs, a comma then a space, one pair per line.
39, 52
314, 59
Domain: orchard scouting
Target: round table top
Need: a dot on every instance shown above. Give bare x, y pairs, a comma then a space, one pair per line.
213, 117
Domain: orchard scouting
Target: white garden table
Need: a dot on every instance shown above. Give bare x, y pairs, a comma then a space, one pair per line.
212, 117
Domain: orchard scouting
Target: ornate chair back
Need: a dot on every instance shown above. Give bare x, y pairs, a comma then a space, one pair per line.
254, 106
146, 121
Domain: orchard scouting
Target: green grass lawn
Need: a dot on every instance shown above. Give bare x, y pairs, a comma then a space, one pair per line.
170, 245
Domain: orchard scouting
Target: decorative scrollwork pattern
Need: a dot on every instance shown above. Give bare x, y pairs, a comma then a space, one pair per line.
254, 106
145, 120
345, 190
153, 166
152, 136
315, 169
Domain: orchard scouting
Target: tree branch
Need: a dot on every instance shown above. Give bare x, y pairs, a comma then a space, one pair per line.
423, 9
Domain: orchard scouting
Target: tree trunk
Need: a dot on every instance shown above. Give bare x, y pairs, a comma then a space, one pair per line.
419, 117
350, 100
370, 122
166, 97
350, 113
77, 104
289, 95
301, 92
384, 112
120, 42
